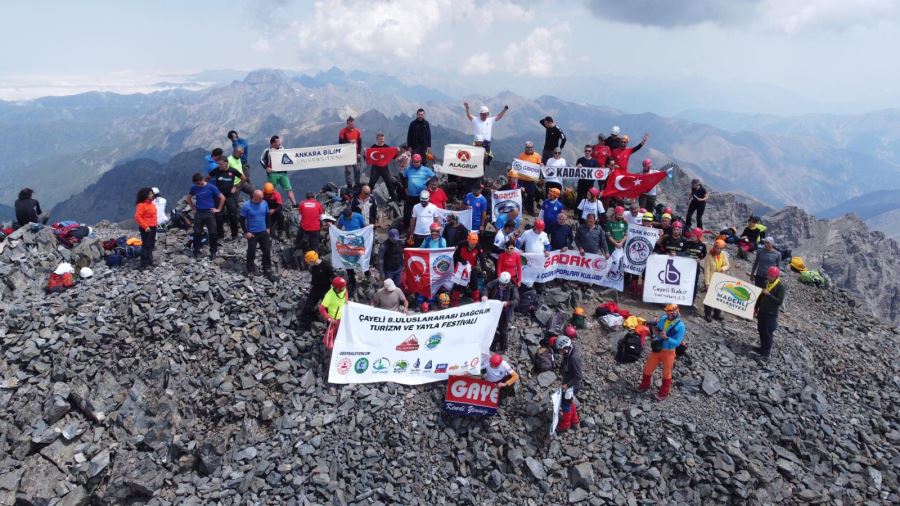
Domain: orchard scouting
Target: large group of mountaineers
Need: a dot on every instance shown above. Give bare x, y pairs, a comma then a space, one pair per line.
594, 216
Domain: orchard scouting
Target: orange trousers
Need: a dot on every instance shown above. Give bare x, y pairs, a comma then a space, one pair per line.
666, 357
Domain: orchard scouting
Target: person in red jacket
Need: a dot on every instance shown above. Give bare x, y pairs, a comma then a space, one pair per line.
469, 253
511, 261
311, 211
351, 135
623, 153
145, 216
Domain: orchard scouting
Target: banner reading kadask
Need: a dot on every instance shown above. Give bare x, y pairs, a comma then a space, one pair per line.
732, 295
375, 345
315, 157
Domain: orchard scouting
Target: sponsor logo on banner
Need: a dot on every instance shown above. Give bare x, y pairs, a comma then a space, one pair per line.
732, 295
392, 347
353, 249
570, 265
598, 173
315, 157
462, 160
670, 279
638, 247
526, 170
471, 396
505, 201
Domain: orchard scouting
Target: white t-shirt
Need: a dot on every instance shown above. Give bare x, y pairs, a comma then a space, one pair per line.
652, 191
533, 242
424, 216
633, 220
587, 207
553, 162
161, 216
483, 128
497, 374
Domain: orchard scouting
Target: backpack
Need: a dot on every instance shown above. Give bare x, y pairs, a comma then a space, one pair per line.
528, 302
132, 251
557, 323
798, 264
629, 348
179, 220
289, 258
109, 245
544, 360
813, 278
59, 282
114, 260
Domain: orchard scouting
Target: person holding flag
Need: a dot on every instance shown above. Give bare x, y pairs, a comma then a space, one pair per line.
378, 158
623, 185
648, 198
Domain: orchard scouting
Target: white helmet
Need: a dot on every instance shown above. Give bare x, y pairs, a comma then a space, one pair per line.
63, 268
484, 109
155, 190
505, 277
425, 195
563, 342
615, 130
86, 272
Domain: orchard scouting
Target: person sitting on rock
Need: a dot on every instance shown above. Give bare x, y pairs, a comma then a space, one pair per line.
667, 336
321, 274
505, 291
766, 258
545, 358
571, 374
500, 372
28, 210
391, 298
715, 261
750, 237
766, 310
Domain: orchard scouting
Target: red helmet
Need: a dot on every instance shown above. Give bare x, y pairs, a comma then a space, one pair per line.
647, 163
496, 360
678, 225
435, 227
570, 331
594, 192
539, 225
619, 210
697, 232
339, 283
774, 271
667, 210
424, 307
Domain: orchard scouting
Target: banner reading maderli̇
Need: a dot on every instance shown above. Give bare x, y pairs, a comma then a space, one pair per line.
351, 250
670, 280
315, 157
570, 265
732, 295
374, 345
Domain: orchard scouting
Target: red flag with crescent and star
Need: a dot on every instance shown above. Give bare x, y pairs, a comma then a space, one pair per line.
380, 157
626, 185
425, 271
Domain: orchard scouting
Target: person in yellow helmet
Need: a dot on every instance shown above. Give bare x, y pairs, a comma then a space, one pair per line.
667, 336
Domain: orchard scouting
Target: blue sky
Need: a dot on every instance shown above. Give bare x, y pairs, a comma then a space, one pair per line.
777, 55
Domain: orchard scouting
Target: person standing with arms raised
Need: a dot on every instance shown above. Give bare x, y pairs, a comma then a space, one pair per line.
483, 124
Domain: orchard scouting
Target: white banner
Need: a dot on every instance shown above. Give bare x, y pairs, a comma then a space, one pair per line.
732, 295
351, 250
555, 403
462, 274
639, 247
315, 157
504, 201
598, 173
465, 217
462, 160
526, 170
570, 265
670, 280
375, 345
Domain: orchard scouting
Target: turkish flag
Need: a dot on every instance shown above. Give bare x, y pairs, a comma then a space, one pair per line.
380, 157
625, 185
427, 270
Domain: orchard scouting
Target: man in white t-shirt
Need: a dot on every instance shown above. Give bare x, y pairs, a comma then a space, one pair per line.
423, 216
500, 372
591, 205
648, 200
484, 124
555, 161
535, 240
634, 216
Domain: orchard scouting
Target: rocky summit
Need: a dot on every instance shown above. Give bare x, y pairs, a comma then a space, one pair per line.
189, 383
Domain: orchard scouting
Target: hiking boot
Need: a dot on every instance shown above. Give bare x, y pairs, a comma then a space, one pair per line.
270, 276
196, 254
645, 383
664, 389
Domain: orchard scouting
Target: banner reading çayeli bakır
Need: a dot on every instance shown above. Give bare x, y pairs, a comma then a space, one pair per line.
375, 345
669, 279
315, 157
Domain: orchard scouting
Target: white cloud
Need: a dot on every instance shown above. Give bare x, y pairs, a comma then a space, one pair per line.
792, 16
262, 46
539, 54
477, 64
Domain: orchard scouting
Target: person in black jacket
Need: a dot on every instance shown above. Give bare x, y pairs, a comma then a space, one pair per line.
504, 290
571, 372
454, 232
223, 177
766, 311
391, 257
364, 204
320, 282
418, 136
28, 210
554, 138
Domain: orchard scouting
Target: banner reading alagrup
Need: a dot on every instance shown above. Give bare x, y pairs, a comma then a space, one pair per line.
374, 345
598, 173
670, 280
314, 157
351, 250
462, 160
732, 295
526, 171
638, 247
570, 265
505, 201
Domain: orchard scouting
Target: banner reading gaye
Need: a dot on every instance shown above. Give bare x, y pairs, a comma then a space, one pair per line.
669, 279
639, 247
375, 345
471, 396
314, 157
732, 295
598, 173
465, 217
351, 250
462, 160
570, 265
505, 201
526, 170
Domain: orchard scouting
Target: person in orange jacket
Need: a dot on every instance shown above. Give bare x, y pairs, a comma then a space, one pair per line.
145, 216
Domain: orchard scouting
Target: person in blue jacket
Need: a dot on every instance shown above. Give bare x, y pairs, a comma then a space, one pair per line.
668, 335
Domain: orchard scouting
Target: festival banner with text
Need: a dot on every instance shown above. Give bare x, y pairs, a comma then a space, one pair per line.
598, 173
315, 157
374, 345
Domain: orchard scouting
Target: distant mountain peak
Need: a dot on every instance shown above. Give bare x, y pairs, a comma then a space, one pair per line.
266, 76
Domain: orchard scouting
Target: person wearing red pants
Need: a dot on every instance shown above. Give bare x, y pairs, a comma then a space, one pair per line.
571, 372
668, 335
